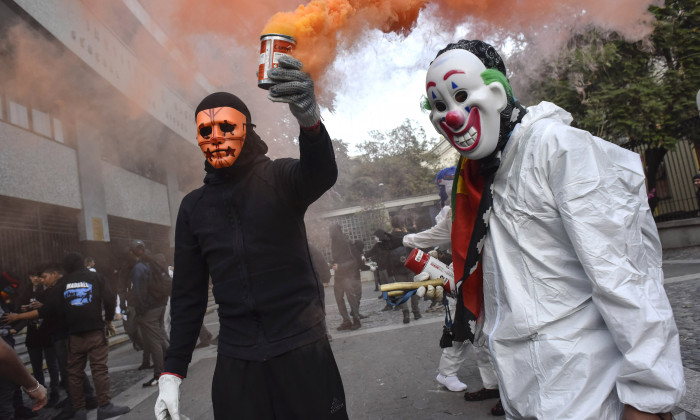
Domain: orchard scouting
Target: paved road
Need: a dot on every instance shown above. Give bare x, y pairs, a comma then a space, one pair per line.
389, 368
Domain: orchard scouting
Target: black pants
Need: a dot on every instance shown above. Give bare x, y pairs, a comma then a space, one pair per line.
345, 285
301, 384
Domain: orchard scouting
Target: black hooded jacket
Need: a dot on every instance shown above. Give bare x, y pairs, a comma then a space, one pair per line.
245, 228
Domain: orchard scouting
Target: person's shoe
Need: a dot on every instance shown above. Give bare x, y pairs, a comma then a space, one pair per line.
23, 412
66, 414
344, 326
387, 308
91, 403
451, 382
482, 394
417, 316
381, 296
355, 324
406, 317
145, 366
151, 382
110, 410
498, 410
80, 414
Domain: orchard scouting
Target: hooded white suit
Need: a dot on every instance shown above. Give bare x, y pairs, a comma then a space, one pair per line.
575, 310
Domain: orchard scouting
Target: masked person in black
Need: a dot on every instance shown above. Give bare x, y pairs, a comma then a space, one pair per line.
346, 271
245, 228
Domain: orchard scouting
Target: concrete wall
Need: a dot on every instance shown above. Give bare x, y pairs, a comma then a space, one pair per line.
37, 169
679, 233
134, 197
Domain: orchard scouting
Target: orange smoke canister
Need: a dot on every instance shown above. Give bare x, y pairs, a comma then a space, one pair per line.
272, 46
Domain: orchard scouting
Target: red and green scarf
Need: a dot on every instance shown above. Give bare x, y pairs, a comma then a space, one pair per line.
471, 204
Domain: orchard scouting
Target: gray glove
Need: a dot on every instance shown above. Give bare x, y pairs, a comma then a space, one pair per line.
296, 88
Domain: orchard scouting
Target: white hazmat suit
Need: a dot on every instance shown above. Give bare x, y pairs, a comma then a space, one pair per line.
453, 357
575, 309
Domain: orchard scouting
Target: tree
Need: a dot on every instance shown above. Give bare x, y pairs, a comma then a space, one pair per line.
632, 93
396, 163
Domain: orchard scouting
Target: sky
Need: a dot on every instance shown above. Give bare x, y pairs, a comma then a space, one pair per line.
384, 83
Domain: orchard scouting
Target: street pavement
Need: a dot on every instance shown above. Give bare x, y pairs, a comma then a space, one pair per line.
389, 368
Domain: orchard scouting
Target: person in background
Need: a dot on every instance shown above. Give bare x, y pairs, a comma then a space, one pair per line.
696, 182
345, 279
80, 299
149, 311
396, 269
38, 338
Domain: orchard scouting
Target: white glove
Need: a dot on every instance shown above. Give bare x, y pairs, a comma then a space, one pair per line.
421, 276
296, 88
168, 402
438, 293
420, 291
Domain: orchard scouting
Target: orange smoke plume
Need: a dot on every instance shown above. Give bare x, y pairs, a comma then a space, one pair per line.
322, 26
319, 26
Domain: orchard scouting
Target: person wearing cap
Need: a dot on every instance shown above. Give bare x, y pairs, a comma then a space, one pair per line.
149, 311
245, 228
557, 258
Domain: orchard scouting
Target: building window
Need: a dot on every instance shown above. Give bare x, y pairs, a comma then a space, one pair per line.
18, 115
41, 123
58, 130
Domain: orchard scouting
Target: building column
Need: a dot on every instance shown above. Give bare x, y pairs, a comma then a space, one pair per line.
92, 220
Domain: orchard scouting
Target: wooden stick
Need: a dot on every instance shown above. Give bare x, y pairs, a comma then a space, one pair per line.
410, 285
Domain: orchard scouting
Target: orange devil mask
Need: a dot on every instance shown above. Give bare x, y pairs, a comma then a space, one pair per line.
221, 134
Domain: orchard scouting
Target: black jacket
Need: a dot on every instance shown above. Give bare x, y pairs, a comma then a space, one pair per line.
38, 330
245, 228
341, 252
83, 296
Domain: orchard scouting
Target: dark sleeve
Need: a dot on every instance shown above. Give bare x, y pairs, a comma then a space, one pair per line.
109, 300
314, 172
51, 305
139, 280
188, 302
345, 259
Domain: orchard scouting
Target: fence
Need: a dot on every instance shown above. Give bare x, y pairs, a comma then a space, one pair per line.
674, 182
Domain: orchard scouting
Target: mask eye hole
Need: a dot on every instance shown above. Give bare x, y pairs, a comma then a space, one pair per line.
461, 96
205, 131
226, 127
440, 106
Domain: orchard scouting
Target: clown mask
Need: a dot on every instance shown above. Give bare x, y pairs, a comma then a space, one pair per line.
221, 134
463, 108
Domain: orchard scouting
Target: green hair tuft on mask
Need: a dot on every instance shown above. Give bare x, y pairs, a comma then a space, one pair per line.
492, 75
425, 104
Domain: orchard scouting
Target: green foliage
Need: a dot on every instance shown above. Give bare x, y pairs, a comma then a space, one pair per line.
394, 164
631, 92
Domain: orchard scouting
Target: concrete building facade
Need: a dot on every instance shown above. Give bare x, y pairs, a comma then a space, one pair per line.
95, 145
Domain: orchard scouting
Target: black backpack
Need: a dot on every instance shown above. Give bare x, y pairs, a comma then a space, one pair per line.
160, 285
